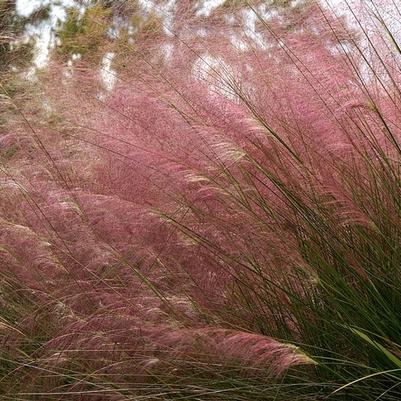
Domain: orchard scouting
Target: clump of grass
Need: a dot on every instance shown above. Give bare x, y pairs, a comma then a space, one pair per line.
224, 224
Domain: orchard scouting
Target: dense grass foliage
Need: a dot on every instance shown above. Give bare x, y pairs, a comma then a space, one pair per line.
224, 223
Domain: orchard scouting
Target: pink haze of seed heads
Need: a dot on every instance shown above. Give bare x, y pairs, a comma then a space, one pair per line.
154, 216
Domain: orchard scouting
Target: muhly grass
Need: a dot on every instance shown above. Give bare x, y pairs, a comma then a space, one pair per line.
224, 224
